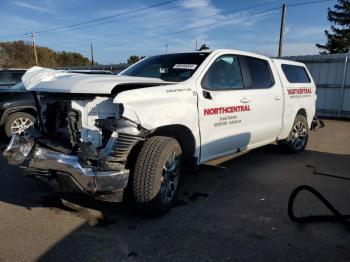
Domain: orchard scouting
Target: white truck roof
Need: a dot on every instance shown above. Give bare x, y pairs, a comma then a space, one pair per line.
278, 60
285, 61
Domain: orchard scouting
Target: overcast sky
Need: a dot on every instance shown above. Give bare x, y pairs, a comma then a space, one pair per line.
218, 23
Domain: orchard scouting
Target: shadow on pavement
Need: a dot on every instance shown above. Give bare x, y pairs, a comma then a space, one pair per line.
236, 210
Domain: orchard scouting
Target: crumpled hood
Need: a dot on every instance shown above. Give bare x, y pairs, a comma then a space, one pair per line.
58, 81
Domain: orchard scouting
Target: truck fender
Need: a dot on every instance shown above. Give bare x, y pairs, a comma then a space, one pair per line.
27, 109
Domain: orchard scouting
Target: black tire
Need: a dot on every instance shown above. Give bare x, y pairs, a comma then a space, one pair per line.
154, 189
298, 136
12, 118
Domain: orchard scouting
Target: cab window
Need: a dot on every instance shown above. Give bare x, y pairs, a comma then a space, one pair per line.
168, 67
295, 74
257, 72
224, 74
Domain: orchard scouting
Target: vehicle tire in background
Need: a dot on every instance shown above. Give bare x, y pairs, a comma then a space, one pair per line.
17, 123
298, 136
157, 173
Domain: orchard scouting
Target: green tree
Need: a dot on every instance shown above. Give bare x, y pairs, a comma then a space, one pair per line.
3, 57
134, 59
20, 54
338, 41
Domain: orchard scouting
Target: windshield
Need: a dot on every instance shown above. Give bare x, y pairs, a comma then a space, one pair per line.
171, 67
10, 78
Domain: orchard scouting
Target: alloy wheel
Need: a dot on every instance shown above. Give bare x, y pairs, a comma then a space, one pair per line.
170, 177
19, 125
299, 135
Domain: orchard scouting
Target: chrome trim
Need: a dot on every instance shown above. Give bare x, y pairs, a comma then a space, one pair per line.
21, 148
91, 180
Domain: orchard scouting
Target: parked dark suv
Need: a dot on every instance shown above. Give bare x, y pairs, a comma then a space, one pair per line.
17, 106
10, 77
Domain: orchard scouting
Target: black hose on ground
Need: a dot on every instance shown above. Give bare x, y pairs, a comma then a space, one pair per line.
337, 216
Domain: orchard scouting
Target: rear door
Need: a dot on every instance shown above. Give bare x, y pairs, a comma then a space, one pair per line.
265, 92
299, 92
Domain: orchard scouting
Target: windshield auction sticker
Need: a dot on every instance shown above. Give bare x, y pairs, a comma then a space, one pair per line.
185, 66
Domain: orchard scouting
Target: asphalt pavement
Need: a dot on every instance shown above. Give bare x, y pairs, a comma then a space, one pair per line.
233, 211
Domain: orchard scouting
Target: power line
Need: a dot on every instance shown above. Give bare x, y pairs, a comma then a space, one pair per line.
193, 28
262, 12
92, 20
177, 23
113, 21
202, 26
307, 3
225, 21
117, 20
136, 16
172, 7
214, 23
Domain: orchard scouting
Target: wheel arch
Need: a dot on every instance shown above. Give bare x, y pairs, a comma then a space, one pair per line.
182, 134
29, 110
302, 111
289, 120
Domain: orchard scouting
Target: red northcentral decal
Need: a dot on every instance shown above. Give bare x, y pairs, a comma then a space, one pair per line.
299, 91
225, 110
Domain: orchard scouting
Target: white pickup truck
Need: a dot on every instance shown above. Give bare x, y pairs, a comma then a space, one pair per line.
103, 134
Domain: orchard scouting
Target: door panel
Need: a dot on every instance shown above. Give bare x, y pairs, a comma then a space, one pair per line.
224, 123
233, 116
223, 117
267, 99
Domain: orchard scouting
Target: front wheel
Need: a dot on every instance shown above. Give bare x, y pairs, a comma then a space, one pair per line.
298, 136
157, 174
17, 123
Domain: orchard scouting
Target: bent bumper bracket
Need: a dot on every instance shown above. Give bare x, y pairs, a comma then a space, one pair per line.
23, 148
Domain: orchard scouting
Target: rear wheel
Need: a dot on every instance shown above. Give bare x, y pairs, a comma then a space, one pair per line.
157, 174
298, 136
17, 123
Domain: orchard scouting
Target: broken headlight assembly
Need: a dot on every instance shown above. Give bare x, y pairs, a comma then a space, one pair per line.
122, 125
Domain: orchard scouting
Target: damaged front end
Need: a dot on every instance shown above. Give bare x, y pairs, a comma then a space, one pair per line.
82, 142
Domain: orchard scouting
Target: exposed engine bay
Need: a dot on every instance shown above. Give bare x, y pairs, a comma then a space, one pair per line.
88, 126
72, 119
82, 141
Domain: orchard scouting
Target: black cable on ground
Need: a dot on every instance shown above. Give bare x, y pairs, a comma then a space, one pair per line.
319, 218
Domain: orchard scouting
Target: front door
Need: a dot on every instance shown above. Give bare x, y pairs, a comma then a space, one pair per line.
224, 111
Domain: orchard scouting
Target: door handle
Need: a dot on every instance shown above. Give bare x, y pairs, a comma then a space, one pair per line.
277, 97
245, 100
207, 95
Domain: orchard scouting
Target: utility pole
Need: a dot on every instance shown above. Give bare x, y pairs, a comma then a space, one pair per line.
283, 20
34, 48
341, 99
196, 45
166, 47
92, 54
